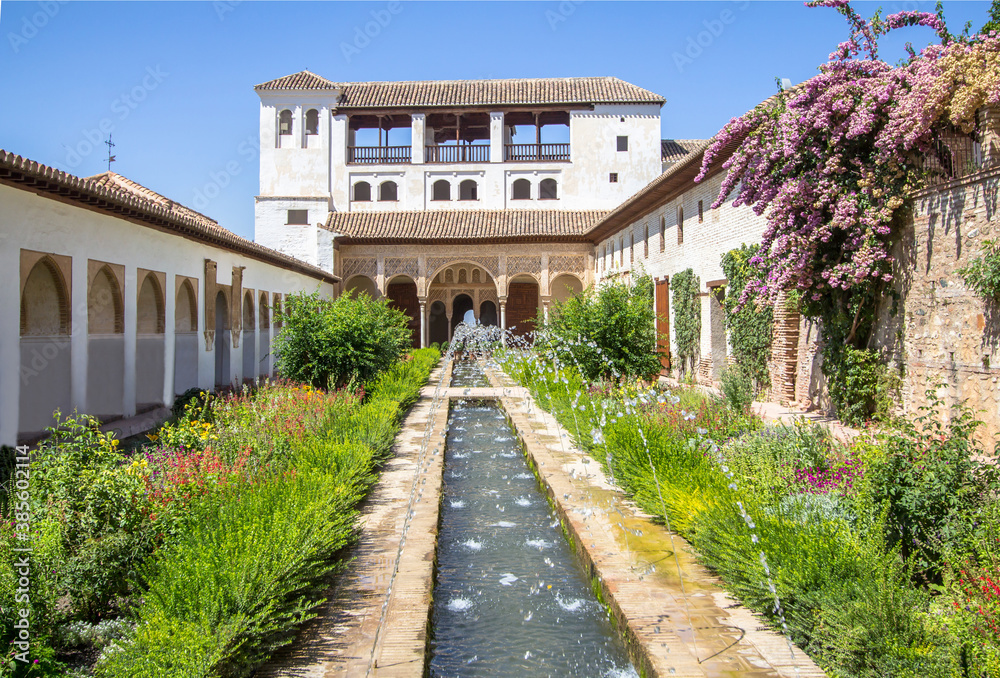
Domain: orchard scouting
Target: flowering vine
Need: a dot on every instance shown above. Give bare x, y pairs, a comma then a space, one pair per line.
832, 161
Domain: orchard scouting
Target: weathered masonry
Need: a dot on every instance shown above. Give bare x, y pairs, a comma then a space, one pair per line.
125, 298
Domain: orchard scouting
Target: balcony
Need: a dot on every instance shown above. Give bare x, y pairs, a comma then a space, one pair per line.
458, 153
378, 155
536, 152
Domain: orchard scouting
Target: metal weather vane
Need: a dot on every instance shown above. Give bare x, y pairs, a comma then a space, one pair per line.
111, 158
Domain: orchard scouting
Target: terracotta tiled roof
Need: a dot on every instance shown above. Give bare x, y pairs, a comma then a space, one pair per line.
113, 194
463, 225
300, 80
436, 93
673, 150
115, 180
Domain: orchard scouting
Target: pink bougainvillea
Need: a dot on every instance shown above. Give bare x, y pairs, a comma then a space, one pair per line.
830, 161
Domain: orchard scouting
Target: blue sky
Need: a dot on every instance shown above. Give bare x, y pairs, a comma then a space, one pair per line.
174, 80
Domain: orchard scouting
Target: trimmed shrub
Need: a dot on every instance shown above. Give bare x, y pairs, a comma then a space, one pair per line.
327, 343
609, 332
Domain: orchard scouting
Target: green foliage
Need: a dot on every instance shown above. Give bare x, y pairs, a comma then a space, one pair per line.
749, 325
933, 482
982, 274
327, 343
608, 332
738, 388
861, 385
821, 514
994, 22
687, 319
250, 566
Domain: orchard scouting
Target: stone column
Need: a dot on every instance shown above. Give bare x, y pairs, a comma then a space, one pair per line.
423, 323
989, 124
418, 123
448, 316
545, 308
496, 136
131, 318
503, 313
78, 340
169, 339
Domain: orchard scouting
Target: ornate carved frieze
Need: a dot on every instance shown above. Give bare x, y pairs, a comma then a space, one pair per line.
360, 266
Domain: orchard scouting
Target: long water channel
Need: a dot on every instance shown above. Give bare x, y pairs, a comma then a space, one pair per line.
511, 599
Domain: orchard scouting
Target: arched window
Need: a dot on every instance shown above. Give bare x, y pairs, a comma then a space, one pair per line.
150, 307
186, 309
264, 314
44, 307
521, 190
468, 190
312, 121
462, 276
387, 191
362, 192
104, 304
548, 190
441, 190
285, 122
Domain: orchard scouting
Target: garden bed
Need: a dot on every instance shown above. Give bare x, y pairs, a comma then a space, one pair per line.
883, 554
204, 551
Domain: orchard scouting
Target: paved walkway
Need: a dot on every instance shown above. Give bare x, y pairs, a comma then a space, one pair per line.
376, 620
782, 413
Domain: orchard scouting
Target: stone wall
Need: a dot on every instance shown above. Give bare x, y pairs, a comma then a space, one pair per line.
943, 334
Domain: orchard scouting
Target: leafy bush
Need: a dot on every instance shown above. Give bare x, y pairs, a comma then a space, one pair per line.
982, 274
326, 343
738, 387
748, 324
687, 319
608, 332
933, 481
861, 384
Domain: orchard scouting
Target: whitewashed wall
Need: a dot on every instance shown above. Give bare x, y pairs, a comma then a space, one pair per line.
39, 374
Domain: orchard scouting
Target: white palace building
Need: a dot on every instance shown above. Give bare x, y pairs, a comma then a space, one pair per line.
447, 197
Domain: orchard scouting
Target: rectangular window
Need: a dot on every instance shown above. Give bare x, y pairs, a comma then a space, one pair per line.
631, 248
645, 243
701, 211
680, 225
622, 144
298, 217
613, 178
663, 233
621, 252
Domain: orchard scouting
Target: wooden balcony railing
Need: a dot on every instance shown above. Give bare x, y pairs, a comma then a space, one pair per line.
459, 153
536, 152
378, 155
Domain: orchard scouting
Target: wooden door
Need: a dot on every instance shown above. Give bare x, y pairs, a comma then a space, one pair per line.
663, 322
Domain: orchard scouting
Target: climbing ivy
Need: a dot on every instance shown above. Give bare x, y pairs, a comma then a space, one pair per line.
687, 318
749, 325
